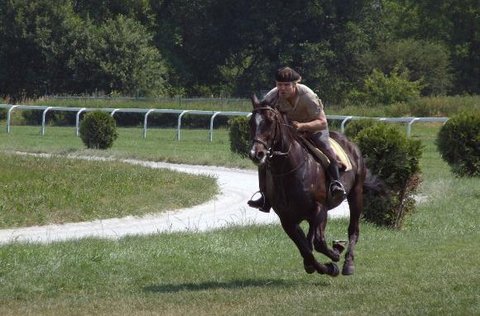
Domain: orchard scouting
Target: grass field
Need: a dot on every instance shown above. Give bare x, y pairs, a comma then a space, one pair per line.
428, 268
159, 145
38, 191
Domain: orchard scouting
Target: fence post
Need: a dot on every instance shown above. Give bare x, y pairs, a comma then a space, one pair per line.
44, 118
77, 120
211, 125
179, 123
409, 126
9, 115
145, 122
342, 126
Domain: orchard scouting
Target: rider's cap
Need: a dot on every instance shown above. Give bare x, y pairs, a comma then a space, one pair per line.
287, 74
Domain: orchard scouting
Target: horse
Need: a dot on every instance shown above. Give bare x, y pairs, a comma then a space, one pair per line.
297, 187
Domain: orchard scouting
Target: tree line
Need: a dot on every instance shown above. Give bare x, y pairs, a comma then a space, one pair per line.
233, 47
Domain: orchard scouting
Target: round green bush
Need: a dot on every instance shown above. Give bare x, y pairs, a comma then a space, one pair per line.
239, 133
390, 154
459, 143
394, 159
356, 126
98, 130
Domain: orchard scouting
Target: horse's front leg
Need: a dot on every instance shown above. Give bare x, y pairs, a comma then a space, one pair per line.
320, 224
310, 264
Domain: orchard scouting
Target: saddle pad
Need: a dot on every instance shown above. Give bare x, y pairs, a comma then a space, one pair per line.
341, 154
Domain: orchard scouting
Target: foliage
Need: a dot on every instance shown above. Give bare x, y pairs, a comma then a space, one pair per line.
438, 21
426, 61
58, 51
440, 106
195, 48
117, 57
387, 89
435, 106
394, 159
98, 130
459, 143
239, 134
132, 65
356, 126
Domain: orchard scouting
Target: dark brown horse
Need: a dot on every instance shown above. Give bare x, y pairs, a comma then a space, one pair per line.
297, 187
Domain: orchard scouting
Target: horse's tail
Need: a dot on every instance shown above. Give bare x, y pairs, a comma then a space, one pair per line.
374, 185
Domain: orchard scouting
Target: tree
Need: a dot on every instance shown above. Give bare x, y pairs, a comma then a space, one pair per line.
425, 61
34, 36
127, 61
384, 89
212, 43
454, 23
48, 48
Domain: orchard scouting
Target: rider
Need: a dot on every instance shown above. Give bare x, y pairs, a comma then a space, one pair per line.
303, 107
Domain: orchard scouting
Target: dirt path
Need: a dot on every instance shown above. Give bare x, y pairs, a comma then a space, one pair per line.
227, 209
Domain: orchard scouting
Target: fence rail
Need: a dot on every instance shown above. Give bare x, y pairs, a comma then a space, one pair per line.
407, 120
181, 113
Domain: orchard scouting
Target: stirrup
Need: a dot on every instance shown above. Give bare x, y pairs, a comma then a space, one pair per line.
342, 188
261, 193
264, 207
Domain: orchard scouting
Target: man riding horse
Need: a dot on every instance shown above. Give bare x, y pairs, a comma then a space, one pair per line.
305, 110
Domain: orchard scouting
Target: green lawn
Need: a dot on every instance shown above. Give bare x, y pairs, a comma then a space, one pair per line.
159, 145
430, 267
38, 190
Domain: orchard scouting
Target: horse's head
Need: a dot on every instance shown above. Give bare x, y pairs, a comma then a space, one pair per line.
263, 129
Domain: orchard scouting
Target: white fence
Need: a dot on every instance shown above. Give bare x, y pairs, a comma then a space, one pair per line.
113, 111
406, 120
409, 121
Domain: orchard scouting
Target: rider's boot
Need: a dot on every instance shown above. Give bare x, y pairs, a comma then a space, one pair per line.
337, 191
262, 203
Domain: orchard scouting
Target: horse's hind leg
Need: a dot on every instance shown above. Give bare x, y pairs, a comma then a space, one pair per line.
320, 224
310, 264
355, 202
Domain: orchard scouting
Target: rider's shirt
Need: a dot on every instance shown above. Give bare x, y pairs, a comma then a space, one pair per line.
306, 104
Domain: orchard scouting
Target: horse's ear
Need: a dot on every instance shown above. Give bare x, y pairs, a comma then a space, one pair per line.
255, 101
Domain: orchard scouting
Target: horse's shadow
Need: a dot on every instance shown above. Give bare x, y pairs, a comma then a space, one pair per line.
233, 284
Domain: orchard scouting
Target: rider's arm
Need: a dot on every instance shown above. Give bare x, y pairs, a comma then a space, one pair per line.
318, 124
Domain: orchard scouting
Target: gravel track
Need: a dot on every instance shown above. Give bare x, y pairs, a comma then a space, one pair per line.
228, 208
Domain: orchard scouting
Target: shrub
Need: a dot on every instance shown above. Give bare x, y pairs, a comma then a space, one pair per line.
355, 127
425, 60
394, 159
386, 89
458, 142
239, 135
98, 130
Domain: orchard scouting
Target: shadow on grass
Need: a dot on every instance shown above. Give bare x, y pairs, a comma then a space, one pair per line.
233, 284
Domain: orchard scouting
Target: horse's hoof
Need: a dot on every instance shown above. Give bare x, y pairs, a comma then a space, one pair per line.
332, 269
348, 269
309, 269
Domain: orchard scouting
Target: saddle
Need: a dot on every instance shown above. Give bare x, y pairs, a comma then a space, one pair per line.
342, 158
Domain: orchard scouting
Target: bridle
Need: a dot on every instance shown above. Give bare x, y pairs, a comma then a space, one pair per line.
274, 153
270, 152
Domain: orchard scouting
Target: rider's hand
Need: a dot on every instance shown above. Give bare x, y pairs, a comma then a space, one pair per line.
297, 125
